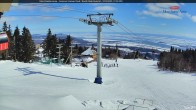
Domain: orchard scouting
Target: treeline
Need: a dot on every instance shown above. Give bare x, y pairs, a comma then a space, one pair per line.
21, 45
51, 50
112, 53
151, 55
22, 48
50, 46
133, 55
178, 60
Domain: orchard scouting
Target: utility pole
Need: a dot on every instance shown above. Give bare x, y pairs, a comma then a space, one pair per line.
99, 20
70, 56
116, 52
59, 46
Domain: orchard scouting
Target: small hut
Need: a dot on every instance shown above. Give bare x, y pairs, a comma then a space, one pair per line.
90, 52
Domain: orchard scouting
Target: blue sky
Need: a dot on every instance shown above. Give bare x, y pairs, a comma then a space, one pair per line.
138, 17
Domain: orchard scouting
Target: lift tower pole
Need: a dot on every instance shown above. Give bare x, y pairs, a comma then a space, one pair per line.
99, 20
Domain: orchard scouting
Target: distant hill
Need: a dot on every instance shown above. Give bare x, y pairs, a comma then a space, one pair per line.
142, 42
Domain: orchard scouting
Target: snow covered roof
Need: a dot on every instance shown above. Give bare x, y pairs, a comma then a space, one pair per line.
89, 51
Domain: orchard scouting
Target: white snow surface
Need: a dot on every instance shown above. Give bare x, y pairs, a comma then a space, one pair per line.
35, 86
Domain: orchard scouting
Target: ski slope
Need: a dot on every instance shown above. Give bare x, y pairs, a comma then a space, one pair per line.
36, 86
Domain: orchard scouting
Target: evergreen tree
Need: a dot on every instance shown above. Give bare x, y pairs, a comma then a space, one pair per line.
80, 50
76, 46
66, 48
28, 46
49, 45
4, 27
171, 49
17, 46
136, 55
69, 41
53, 49
92, 47
7, 30
11, 43
117, 51
24, 47
46, 43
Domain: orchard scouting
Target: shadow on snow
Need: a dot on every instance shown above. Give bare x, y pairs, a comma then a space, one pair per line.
27, 71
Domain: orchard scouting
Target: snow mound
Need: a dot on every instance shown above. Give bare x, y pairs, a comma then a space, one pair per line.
40, 103
70, 103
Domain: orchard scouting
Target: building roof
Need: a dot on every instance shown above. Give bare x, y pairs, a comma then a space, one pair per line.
89, 51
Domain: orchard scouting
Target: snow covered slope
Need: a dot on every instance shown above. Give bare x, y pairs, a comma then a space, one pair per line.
51, 87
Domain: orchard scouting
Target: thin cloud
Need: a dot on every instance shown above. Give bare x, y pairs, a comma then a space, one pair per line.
48, 18
41, 7
191, 17
166, 5
105, 8
162, 15
8, 19
39, 18
156, 10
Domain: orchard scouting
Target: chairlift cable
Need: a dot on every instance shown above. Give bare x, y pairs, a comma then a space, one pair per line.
128, 31
45, 16
136, 35
109, 29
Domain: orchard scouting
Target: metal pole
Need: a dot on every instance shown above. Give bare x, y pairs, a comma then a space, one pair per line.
99, 23
98, 79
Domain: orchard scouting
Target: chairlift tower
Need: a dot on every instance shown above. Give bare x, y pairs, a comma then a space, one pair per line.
99, 20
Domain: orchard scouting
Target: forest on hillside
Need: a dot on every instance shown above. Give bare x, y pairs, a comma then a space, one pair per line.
178, 60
